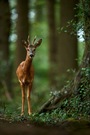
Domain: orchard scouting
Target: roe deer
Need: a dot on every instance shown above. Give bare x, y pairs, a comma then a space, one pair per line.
25, 72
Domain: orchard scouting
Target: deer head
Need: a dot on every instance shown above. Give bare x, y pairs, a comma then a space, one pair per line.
30, 48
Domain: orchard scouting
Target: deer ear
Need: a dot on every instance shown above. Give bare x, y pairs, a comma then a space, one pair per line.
38, 43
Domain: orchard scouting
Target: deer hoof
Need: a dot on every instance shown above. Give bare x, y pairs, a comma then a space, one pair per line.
29, 113
22, 113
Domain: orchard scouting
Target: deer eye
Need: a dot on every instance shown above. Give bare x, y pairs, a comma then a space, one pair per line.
33, 49
27, 49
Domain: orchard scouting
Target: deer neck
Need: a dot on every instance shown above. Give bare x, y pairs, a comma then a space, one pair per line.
28, 63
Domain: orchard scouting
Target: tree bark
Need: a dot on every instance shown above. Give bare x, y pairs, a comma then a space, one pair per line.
22, 27
67, 48
39, 12
5, 24
5, 27
52, 42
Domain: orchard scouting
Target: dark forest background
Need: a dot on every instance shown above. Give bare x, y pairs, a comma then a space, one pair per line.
58, 57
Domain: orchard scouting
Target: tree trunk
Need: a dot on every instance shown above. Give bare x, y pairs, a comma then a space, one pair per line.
5, 25
67, 48
52, 42
86, 13
22, 29
85, 65
39, 12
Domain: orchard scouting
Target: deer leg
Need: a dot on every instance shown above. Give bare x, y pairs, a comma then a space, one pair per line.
23, 101
28, 100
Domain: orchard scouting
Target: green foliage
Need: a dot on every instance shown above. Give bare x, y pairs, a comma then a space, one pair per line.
75, 107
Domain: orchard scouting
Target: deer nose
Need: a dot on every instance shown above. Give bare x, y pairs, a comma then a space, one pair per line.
31, 55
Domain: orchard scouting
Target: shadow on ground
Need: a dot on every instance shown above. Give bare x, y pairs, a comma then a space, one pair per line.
26, 128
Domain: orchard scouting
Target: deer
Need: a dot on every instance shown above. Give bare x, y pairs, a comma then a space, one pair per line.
25, 72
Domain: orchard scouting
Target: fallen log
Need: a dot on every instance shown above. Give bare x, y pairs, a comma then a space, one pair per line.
66, 92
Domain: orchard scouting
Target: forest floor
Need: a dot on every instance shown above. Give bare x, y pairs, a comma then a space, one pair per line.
25, 128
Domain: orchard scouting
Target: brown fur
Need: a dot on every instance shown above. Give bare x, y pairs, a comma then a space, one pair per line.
25, 73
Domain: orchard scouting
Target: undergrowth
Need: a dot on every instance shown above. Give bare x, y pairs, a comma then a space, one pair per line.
75, 107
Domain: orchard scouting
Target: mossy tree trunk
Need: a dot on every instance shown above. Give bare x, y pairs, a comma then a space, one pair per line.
68, 44
85, 64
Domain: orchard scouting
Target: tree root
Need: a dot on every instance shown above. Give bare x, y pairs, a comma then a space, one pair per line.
51, 104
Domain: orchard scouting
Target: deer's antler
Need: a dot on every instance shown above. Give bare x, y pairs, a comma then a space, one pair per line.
34, 40
26, 43
28, 40
38, 43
